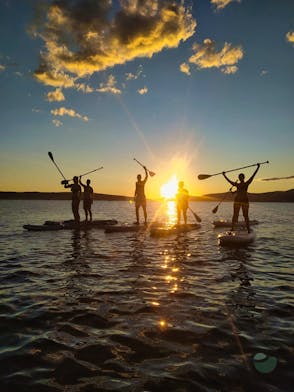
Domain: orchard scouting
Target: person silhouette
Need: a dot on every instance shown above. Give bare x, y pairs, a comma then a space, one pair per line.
182, 198
76, 197
241, 199
140, 198
87, 199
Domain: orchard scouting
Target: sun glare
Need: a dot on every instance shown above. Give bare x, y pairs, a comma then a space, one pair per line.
169, 190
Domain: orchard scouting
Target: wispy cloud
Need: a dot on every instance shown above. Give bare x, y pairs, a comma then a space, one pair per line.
57, 123
2, 67
56, 95
277, 178
290, 37
84, 37
109, 86
263, 72
68, 112
185, 68
206, 56
221, 4
143, 90
136, 75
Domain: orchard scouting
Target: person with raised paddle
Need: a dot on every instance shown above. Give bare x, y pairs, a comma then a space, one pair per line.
87, 198
76, 197
182, 198
241, 198
140, 198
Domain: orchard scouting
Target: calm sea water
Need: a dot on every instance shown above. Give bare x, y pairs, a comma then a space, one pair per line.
88, 311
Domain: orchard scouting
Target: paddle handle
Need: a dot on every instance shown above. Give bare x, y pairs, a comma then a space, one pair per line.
91, 171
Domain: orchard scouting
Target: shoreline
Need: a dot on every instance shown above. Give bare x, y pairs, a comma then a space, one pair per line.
277, 196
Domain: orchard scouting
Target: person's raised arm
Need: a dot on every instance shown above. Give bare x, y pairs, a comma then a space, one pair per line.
231, 182
80, 182
253, 175
146, 174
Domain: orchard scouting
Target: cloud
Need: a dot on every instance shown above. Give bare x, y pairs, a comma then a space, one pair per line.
57, 123
55, 95
221, 4
68, 112
87, 36
143, 90
185, 68
277, 178
84, 88
290, 37
206, 56
109, 86
2, 67
263, 72
134, 76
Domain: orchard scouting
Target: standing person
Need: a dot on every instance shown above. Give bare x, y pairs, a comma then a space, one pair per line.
140, 198
241, 198
182, 198
88, 198
76, 197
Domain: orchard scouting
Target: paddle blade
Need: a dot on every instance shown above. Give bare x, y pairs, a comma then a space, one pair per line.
51, 156
203, 176
151, 174
196, 216
214, 211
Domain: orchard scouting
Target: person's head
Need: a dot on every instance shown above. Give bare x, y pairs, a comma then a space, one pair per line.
88, 182
139, 177
76, 179
241, 177
181, 184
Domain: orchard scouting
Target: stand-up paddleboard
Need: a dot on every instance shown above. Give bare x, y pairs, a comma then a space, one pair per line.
126, 227
71, 224
53, 227
236, 238
228, 223
176, 229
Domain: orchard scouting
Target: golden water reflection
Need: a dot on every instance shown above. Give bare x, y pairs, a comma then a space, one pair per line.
171, 212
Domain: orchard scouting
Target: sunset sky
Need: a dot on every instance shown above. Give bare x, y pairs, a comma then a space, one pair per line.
186, 87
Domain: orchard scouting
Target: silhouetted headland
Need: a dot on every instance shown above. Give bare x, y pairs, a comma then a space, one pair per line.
277, 196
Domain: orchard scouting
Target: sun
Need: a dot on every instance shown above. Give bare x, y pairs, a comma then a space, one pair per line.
169, 190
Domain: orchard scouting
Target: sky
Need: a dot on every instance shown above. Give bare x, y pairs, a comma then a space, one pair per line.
185, 87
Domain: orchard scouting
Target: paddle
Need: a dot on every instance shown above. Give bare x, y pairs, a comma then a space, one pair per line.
205, 176
214, 211
198, 219
92, 171
151, 173
52, 159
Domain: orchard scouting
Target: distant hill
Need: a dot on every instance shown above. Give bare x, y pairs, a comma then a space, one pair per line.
278, 196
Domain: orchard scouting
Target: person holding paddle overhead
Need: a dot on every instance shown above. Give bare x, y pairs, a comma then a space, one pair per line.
88, 198
182, 198
76, 197
140, 198
241, 198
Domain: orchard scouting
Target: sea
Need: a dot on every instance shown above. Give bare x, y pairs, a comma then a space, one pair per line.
86, 311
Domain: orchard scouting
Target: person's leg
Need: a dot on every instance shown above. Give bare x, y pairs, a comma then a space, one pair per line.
245, 210
137, 214
235, 214
185, 215
178, 215
145, 212
75, 209
90, 213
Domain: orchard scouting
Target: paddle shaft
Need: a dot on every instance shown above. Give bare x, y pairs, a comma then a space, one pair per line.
144, 167
228, 171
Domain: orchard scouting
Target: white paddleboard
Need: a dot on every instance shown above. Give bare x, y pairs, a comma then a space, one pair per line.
236, 238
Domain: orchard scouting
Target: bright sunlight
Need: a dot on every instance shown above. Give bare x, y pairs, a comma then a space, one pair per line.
169, 190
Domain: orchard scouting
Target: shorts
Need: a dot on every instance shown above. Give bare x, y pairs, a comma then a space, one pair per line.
87, 204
